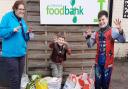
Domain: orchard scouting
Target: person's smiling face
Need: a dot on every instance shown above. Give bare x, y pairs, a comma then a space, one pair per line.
103, 21
61, 41
20, 11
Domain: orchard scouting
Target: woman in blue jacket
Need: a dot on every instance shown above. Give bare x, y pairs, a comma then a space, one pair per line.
15, 34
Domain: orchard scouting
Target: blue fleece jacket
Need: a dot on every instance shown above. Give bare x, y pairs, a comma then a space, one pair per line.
13, 43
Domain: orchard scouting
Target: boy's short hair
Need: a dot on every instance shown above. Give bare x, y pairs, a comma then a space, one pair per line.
60, 34
101, 13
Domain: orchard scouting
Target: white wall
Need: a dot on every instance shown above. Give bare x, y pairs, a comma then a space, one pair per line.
120, 49
6, 5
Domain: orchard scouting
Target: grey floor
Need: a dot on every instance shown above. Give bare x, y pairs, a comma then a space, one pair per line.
120, 75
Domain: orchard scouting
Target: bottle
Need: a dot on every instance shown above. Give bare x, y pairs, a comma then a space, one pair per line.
31, 35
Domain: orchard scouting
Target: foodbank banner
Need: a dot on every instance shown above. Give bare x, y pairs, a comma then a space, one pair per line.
70, 12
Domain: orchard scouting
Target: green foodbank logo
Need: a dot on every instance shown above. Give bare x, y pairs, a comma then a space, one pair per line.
64, 10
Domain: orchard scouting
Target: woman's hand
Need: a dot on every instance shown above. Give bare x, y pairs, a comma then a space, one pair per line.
29, 30
17, 29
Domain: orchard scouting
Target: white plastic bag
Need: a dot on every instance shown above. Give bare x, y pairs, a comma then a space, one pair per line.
86, 82
72, 82
53, 82
24, 81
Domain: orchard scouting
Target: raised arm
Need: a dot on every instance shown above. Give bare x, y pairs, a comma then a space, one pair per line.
117, 32
90, 37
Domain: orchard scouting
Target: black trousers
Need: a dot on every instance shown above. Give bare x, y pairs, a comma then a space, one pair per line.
15, 67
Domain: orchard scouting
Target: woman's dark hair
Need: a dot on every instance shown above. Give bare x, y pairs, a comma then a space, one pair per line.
17, 3
101, 13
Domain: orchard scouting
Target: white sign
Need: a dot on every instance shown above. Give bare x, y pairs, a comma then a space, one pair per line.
58, 12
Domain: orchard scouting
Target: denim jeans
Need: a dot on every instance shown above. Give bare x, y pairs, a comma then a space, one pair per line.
102, 77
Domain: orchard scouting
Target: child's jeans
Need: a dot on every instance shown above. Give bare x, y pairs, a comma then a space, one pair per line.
102, 77
57, 69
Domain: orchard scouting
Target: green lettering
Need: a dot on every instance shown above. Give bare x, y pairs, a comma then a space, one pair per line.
66, 10
47, 10
56, 10
80, 11
51, 11
72, 11
62, 11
